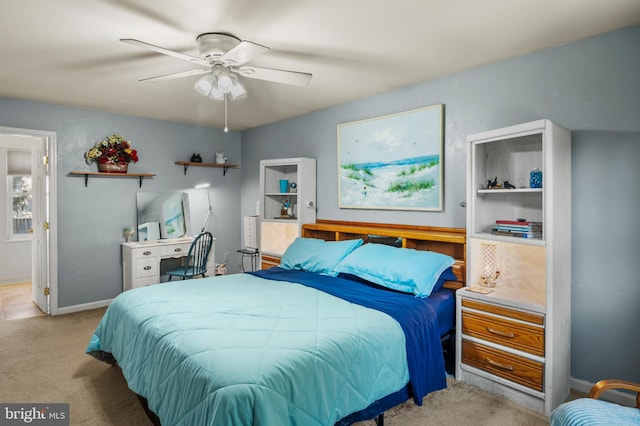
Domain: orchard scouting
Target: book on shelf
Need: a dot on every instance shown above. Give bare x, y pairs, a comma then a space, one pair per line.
496, 231
516, 222
531, 228
516, 226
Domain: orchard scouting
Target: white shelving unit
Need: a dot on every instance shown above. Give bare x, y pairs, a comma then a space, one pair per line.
515, 340
277, 231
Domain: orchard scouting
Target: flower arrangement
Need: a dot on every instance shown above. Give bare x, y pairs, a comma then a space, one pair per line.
113, 149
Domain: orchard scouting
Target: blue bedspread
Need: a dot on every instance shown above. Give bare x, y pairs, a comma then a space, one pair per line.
415, 316
240, 349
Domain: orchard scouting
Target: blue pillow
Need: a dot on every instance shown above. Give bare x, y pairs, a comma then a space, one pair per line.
402, 269
313, 255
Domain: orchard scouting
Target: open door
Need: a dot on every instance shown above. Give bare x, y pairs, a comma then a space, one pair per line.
40, 224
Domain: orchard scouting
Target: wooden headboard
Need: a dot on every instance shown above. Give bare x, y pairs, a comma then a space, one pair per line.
450, 241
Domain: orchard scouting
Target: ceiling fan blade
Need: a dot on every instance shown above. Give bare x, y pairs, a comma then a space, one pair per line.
175, 75
243, 52
278, 76
164, 51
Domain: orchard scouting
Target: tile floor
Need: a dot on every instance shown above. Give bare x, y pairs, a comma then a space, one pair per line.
16, 302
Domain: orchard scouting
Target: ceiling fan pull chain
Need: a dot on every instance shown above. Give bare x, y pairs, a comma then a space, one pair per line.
226, 129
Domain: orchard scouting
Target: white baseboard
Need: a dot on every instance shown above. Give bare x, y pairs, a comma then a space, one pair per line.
15, 280
618, 397
83, 307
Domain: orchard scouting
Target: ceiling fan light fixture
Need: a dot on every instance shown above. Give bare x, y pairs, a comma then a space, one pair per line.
216, 94
224, 81
206, 84
237, 91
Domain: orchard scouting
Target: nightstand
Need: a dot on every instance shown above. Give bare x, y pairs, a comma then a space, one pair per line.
502, 343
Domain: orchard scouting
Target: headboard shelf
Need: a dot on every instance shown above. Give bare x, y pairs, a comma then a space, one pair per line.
450, 241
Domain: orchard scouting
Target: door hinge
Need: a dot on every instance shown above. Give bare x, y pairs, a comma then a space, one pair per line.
46, 291
45, 226
45, 160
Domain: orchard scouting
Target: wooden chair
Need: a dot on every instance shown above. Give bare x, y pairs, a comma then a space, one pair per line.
196, 261
593, 411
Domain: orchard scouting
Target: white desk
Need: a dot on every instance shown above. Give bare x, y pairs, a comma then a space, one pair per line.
141, 260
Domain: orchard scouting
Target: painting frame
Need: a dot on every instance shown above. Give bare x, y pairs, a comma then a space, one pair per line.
393, 162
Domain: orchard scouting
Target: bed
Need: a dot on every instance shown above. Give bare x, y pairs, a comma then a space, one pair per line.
311, 341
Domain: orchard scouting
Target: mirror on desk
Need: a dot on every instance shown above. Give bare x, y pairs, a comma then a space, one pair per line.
163, 215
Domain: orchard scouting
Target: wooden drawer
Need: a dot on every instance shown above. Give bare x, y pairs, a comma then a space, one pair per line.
269, 261
502, 331
146, 268
508, 366
506, 312
146, 252
175, 250
142, 282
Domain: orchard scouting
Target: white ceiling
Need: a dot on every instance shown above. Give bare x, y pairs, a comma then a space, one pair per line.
68, 51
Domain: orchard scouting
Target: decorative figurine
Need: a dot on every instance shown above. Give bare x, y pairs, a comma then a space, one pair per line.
492, 183
220, 158
294, 187
128, 233
195, 158
489, 280
286, 208
507, 185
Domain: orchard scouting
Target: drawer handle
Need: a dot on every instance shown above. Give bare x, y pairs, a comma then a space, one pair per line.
146, 253
499, 364
500, 333
146, 268
177, 249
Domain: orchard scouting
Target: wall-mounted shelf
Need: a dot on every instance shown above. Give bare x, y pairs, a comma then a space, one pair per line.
86, 175
224, 166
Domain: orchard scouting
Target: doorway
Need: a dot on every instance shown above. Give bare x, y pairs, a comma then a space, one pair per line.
42, 148
16, 301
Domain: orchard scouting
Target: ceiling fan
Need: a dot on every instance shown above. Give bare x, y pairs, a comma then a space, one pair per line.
223, 57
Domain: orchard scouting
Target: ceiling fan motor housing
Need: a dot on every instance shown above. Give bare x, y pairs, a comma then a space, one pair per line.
213, 45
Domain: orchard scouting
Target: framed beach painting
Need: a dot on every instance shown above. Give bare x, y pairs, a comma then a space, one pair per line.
393, 162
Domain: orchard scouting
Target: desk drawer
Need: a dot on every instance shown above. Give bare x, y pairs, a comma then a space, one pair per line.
175, 250
503, 364
142, 282
146, 252
502, 331
146, 268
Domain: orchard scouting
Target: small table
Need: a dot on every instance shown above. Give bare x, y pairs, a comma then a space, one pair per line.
252, 254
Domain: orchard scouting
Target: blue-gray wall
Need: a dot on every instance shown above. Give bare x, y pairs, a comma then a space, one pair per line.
592, 87
91, 219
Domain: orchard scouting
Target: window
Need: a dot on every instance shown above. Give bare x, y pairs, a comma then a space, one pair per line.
20, 196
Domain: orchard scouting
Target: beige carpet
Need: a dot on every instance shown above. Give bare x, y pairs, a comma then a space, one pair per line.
43, 360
